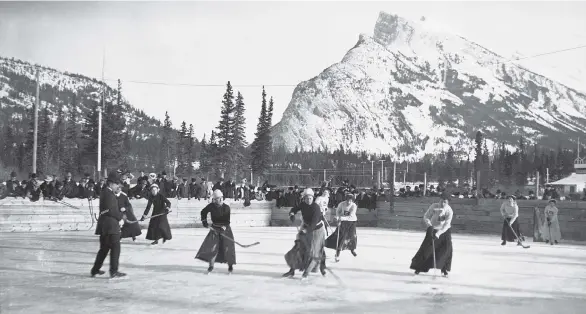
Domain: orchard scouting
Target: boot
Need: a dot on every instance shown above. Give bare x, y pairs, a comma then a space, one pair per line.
117, 275
504, 242
99, 272
290, 273
556, 241
133, 239
210, 269
444, 273
230, 269
353, 253
155, 242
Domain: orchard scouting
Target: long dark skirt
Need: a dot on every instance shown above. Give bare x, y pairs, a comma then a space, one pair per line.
423, 259
217, 249
159, 228
507, 234
348, 239
295, 258
130, 230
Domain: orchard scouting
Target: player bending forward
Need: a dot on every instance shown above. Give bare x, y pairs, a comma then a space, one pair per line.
313, 230
438, 219
216, 247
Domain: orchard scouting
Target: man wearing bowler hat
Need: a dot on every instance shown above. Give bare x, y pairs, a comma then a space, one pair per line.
108, 228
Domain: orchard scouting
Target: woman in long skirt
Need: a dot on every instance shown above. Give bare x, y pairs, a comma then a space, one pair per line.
510, 213
551, 226
215, 247
314, 234
158, 226
344, 238
131, 228
438, 219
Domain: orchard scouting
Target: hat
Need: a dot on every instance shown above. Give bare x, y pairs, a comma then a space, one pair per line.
512, 197
154, 185
217, 193
350, 196
307, 192
113, 177
552, 201
152, 175
49, 178
164, 173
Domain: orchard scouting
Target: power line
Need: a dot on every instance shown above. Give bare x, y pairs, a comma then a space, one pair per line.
199, 85
548, 53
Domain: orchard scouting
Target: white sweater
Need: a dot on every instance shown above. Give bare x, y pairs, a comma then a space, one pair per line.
440, 218
346, 212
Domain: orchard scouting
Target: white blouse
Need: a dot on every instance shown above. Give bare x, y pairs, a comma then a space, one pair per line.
346, 212
440, 218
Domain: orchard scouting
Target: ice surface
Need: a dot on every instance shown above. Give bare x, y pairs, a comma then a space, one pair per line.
49, 273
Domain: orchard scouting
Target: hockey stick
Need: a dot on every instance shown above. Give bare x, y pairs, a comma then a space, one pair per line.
230, 239
518, 240
64, 203
92, 215
157, 215
433, 248
338, 240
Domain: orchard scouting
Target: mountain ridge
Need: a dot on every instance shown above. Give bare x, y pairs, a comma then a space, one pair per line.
403, 70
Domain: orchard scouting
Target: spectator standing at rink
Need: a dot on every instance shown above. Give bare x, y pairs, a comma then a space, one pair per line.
551, 226
438, 219
510, 213
215, 247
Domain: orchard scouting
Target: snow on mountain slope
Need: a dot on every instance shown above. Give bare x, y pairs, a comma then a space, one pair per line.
410, 91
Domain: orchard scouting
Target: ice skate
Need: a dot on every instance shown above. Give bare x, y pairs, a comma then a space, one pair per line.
117, 275
99, 272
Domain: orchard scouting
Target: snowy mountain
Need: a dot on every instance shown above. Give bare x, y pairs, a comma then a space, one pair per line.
59, 89
408, 90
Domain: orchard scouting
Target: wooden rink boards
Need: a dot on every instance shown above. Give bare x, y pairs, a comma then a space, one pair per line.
48, 272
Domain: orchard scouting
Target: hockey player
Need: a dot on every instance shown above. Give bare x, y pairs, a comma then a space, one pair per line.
215, 247
510, 213
344, 238
438, 219
131, 228
158, 226
313, 230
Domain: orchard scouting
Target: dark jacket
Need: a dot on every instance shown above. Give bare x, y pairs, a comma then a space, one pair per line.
110, 213
220, 214
311, 214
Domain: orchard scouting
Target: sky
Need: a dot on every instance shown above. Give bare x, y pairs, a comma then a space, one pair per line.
262, 43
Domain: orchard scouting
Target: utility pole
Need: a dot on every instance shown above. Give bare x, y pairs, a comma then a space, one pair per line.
394, 172
100, 108
372, 170
382, 169
36, 124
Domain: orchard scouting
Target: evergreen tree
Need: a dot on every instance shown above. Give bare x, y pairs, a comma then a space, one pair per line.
71, 162
225, 134
90, 134
238, 135
260, 160
166, 158
44, 135
190, 154
182, 148
478, 153
450, 166
8, 146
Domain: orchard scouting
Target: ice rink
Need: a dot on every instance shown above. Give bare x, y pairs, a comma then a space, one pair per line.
50, 273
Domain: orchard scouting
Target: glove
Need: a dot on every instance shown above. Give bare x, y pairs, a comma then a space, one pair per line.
548, 219
434, 234
549, 223
122, 209
142, 218
292, 218
121, 223
205, 223
167, 210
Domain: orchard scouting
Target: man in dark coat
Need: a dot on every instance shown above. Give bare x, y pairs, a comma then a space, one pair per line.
108, 229
158, 226
215, 247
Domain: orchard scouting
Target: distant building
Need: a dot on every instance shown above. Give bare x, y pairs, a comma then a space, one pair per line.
576, 182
